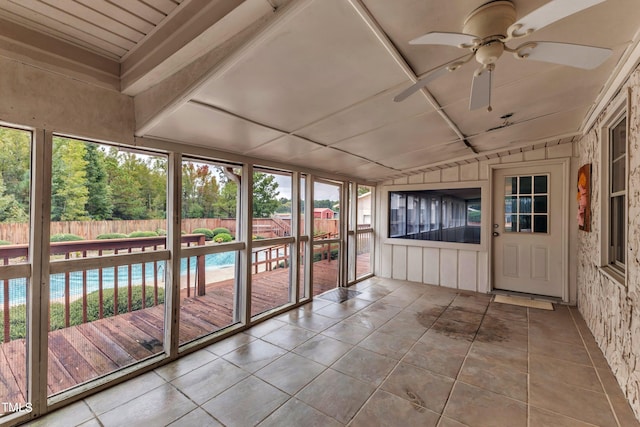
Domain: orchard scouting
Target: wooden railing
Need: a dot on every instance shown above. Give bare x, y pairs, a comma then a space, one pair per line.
263, 259
93, 248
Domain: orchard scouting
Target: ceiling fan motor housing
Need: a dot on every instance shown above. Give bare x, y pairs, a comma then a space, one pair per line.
490, 20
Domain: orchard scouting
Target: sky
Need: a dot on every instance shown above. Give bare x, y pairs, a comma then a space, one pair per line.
321, 191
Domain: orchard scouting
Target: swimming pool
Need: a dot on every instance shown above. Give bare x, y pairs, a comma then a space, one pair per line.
18, 287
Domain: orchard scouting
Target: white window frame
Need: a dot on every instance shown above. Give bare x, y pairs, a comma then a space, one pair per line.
609, 266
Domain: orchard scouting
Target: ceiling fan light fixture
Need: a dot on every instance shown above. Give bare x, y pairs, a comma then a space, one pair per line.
490, 20
490, 52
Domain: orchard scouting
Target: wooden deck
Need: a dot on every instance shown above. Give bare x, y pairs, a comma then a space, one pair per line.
81, 353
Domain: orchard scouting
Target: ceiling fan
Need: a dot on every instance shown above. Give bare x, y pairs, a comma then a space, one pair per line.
487, 30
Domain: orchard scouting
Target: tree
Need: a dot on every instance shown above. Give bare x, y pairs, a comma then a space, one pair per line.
15, 163
265, 192
199, 191
284, 205
69, 193
363, 190
98, 205
125, 188
227, 200
10, 209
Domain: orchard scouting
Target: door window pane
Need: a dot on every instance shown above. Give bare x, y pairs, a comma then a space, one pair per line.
540, 223
511, 185
540, 204
540, 184
521, 204
525, 185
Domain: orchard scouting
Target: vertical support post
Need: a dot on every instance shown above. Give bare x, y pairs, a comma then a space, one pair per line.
38, 292
246, 219
201, 275
310, 228
172, 279
294, 254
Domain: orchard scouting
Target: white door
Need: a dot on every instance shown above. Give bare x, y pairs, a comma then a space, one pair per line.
528, 230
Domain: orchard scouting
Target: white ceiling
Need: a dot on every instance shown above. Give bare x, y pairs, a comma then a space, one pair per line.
315, 86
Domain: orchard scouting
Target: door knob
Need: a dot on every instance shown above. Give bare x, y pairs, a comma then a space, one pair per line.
495, 233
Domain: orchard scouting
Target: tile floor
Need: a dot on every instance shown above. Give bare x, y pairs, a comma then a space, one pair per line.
398, 354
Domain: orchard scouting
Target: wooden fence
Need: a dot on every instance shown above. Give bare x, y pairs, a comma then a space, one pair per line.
18, 233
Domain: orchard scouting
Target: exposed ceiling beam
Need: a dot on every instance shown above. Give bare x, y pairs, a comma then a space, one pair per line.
229, 58
192, 29
371, 22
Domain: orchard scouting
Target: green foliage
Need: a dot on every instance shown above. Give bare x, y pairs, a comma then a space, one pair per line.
219, 230
15, 158
285, 205
473, 216
227, 200
223, 238
143, 234
69, 191
4, 243
138, 184
363, 190
107, 236
17, 314
265, 192
161, 232
10, 209
334, 253
199, 190
17, 321
326, 204
64, 237
208, 234
99, 204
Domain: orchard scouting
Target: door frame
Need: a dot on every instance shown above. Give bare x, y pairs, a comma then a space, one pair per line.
566, 180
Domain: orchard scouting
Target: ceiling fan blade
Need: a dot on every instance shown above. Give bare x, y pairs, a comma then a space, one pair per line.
432, 75
481, 89
420, 83
573, 55
551, 12
448, 39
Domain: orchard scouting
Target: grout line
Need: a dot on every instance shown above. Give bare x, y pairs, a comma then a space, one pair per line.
595, 368
378, 388
528, 368
455, 380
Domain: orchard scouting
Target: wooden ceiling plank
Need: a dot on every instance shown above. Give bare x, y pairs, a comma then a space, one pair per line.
87, 29
46, 25
87, 14
165, 6
122, 15
140, 9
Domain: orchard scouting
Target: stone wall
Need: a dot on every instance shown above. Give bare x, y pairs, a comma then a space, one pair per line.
611, 309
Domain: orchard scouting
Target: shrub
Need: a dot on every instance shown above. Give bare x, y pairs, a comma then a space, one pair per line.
93, 306
143, 234
108, 236
161, 232
320, 256
17, 322
4, 243
65, 238
18, 316
208, 234
220, 230
223, 238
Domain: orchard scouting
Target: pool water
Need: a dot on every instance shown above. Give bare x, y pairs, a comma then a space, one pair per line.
18, 287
